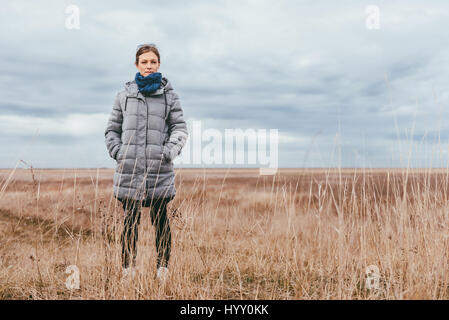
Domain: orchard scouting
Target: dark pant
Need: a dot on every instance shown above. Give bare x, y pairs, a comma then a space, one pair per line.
159, 219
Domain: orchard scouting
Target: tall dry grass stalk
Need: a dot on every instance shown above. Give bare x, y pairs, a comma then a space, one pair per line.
301, 234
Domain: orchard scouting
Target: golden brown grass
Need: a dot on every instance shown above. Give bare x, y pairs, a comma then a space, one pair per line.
301, 234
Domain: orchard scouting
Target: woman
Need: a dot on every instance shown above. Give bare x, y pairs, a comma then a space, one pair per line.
145, 132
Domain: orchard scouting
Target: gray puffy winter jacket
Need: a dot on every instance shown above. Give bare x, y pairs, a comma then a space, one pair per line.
144, 135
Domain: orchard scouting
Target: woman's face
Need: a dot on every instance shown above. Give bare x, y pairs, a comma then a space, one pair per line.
148, 63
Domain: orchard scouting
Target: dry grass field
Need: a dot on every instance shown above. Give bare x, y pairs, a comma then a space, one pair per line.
300, 234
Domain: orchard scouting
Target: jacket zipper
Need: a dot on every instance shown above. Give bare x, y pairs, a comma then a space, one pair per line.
145, 151
146, 127
146, 130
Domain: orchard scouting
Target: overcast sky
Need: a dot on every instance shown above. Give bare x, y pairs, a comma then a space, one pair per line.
339, 90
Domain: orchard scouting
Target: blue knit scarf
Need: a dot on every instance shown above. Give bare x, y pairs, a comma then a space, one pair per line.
148, 84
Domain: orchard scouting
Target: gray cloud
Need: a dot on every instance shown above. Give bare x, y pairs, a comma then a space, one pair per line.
309, 69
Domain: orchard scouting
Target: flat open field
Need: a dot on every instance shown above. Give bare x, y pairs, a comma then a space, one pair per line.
299, 234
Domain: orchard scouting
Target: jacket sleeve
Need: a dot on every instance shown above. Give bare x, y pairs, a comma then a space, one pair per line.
177, 129
113, 130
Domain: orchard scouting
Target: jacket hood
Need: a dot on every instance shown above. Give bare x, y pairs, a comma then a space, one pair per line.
132, 90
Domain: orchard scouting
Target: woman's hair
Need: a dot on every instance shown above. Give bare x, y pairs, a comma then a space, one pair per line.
146, 49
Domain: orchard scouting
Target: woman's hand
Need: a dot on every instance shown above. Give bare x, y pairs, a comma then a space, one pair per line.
169, 154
